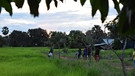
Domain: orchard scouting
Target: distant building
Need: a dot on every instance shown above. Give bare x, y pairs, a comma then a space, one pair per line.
130, 43
105, 43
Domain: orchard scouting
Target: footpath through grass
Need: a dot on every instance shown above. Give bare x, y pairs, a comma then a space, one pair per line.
33, 61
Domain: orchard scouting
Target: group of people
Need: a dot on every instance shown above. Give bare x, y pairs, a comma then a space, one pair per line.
87, 53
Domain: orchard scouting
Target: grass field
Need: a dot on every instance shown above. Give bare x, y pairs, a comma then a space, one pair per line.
33, 61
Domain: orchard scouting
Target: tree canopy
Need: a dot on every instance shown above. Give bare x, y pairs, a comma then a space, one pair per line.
5, 30
126, 15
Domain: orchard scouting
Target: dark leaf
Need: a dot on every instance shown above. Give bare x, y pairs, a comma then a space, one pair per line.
131, 5
122, 2
48, 4
19, 3
104, 8
34, 5
6, 4
38, 1
122, 21
75, 0
95, 6
126, 22
82, 2
0, 9
116, 5
56, 3
61, 1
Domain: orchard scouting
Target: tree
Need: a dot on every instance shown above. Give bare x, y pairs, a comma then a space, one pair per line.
19, 39
5, 30
76, 39
96, 34
58, 39
38, 36
113, 29
113, 33
112, 26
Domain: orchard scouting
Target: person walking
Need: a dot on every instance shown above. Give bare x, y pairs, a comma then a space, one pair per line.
79, 53
50, 52
85, 53
97, 51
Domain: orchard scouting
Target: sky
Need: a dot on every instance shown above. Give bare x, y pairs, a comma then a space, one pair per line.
67, 16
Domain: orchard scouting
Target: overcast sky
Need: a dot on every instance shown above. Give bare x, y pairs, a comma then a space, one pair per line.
67, 16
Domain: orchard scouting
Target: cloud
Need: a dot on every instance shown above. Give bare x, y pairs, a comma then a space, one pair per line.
63, 21
68, 16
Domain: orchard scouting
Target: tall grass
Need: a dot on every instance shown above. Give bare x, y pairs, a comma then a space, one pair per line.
24, 61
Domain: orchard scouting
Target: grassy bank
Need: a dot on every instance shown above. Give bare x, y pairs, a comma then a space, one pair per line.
33, 61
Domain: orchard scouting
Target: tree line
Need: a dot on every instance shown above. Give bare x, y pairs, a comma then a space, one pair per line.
39, 37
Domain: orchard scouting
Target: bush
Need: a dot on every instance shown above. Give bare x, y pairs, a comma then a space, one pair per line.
117, 44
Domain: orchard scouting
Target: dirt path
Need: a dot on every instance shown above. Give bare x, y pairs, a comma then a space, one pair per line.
56, 55
128, 67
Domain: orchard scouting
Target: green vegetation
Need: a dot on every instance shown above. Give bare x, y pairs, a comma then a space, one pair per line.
33, 61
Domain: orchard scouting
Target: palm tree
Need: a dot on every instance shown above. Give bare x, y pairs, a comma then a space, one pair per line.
5, 30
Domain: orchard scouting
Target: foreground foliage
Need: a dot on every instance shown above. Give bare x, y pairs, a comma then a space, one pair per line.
126, 15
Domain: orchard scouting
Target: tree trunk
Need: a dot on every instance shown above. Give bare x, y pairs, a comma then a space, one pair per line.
122, 59
59, 50
123, 67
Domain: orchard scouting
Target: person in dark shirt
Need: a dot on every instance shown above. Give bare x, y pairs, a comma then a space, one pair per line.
85, 53
79, 53
50, 52
97, 51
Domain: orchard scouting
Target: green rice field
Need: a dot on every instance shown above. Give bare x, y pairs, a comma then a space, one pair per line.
33, 61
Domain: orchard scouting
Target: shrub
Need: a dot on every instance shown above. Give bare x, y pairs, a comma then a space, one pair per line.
117, 44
